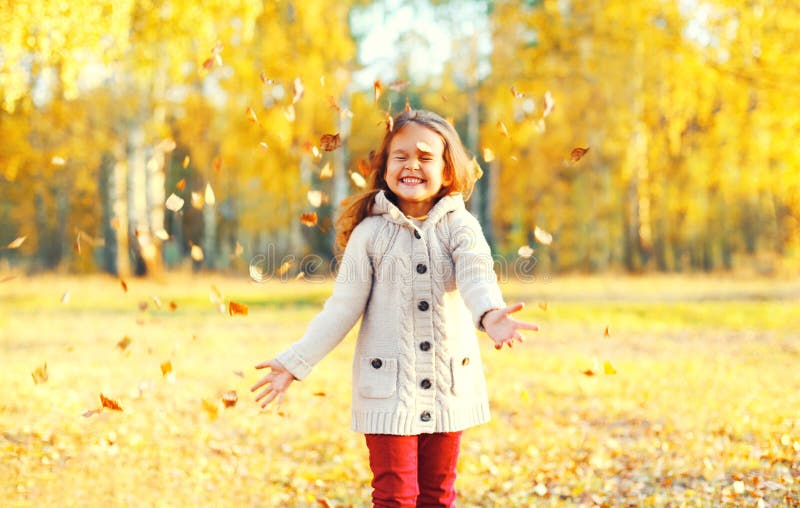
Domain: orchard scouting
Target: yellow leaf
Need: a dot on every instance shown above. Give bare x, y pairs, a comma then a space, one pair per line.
210, 197
166, 368
326, 171
488, 155
17, 242
608, 368
197, 253
358, 180
542, 236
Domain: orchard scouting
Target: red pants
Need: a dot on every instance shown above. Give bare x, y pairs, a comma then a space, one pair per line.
413, 471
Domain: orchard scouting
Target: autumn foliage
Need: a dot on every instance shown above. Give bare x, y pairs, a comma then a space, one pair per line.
137, 137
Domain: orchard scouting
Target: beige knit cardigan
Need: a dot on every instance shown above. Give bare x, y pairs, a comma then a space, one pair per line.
420, 291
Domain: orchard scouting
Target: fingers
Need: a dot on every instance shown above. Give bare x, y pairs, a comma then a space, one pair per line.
526, 326
513, 308
264, 380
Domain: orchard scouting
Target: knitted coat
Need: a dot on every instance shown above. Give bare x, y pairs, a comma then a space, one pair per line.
420, 291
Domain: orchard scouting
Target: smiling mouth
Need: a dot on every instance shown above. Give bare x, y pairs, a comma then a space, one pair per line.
411, 180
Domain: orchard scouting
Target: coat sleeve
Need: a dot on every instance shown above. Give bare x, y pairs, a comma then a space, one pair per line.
351, 290
474, 266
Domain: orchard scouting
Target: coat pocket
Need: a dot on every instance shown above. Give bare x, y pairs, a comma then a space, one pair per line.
377, 377
462, 369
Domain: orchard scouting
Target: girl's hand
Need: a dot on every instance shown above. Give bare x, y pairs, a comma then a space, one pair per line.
502, 328
277, 382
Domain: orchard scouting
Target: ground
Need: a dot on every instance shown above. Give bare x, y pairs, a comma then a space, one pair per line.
655, 391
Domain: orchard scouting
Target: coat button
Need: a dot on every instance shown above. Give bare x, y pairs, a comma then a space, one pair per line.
426, 383
423, 305
377, 363
425, 345
416, 234
425, 416
464, 362
421, 268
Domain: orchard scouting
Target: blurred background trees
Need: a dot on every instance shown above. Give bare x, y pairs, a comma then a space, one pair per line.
108, 109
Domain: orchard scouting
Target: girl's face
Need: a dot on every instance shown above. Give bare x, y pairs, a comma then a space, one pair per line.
415, 168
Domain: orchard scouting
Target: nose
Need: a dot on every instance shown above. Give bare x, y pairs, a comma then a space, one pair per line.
412, 164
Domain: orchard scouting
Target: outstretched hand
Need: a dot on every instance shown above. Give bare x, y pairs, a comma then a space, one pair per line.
276, 382
503, 329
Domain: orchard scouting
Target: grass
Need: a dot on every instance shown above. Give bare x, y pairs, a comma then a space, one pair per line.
702, 410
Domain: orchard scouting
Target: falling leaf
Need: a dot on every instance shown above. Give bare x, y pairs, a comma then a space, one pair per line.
238, 249
605, 333
39, 374
608, 368
309, 219
525, 251
332, 103
289, 113
316, 198
124, 343
76, 245
17, 243
156, 301
185, 163
549, 104
363, 167
540, 489
237, 309
143, 305
488, 155
162, 234
208, 64
65, 297
197, 253
299, 89
251, 115
264, 79
408, 106
588, 372
323, 502
197, 200
264, 145
238, 373
543, 306
577, 153
389, 122
210, 197
501, 127
174, 202
322, 81
124, 285
378, 88
319, 394
542, 236
173, 306
398, 86
300, 275
516, 94
283, 268
109, 403
58, 161
216, 164
315, 152
330, 142
7, 278
358, 180
91, 412
424, 147
229, 398
210, 408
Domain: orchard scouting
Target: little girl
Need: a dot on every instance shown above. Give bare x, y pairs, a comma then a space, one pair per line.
418, 272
